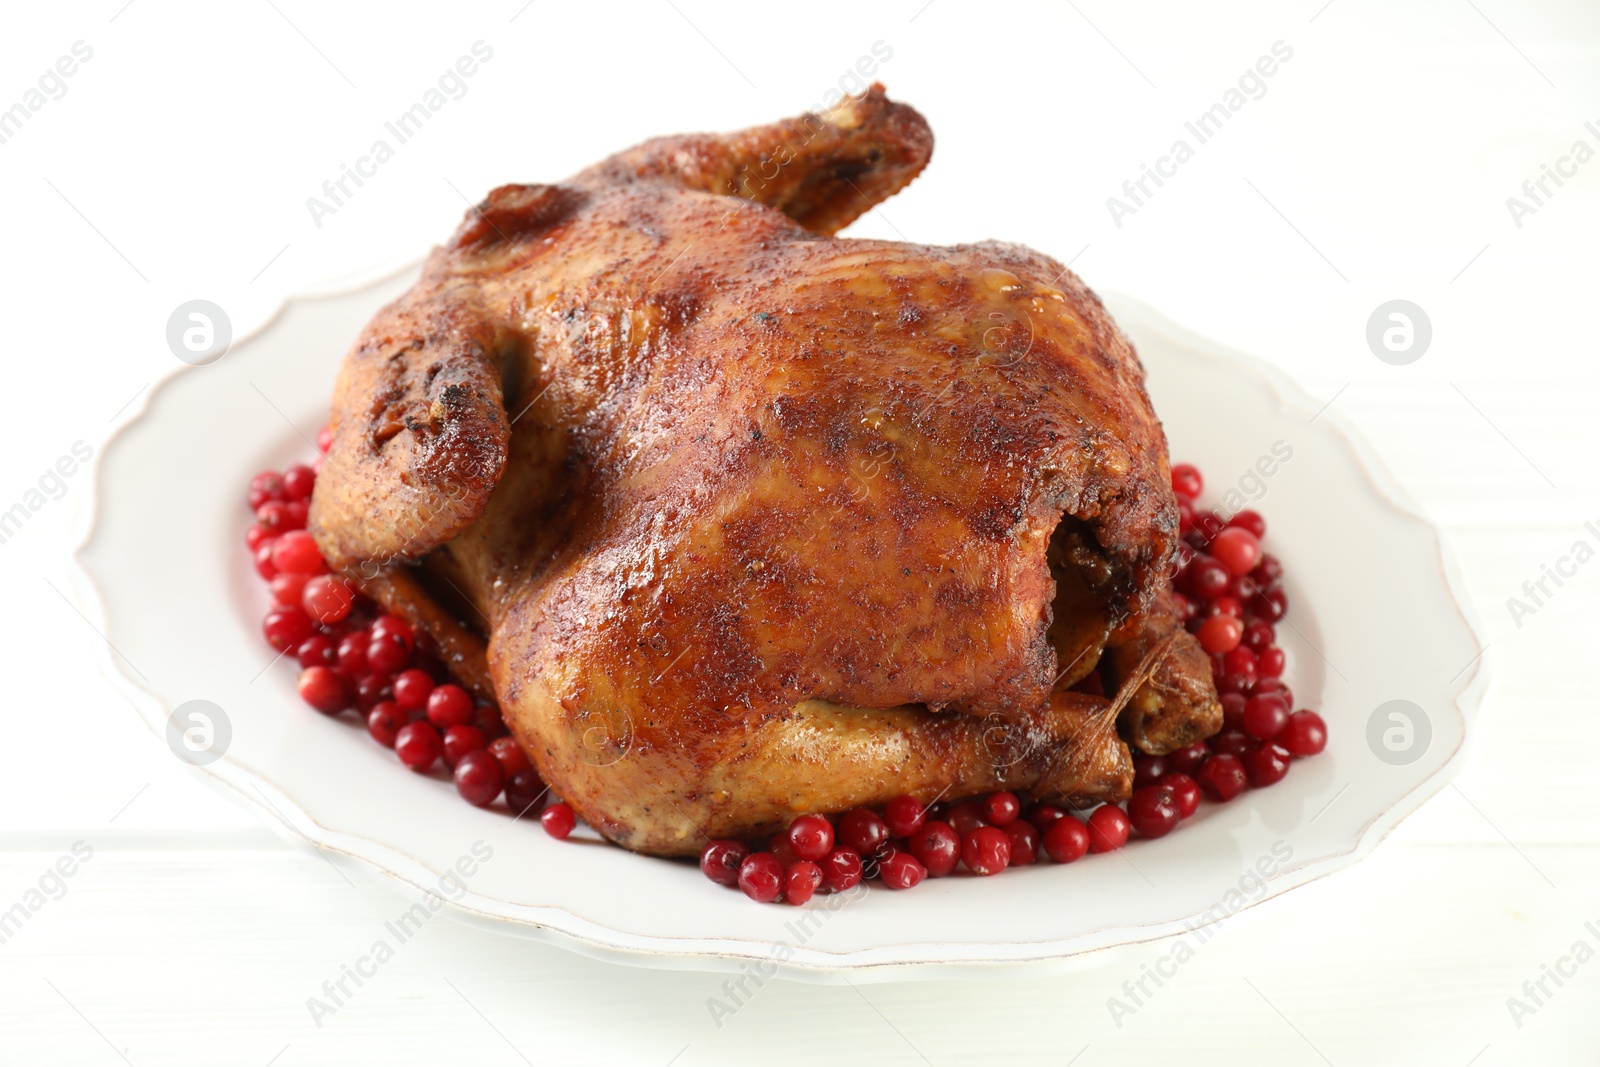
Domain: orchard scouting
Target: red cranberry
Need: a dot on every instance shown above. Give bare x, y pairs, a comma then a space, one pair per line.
1258, 635
1147, 769
287, 588
1108, 828
255, 537
263, 561
449, 705
524, 791
411, 688
986, 850
384, 722
285, 628
372, 688
353, 655
937, 846
559, 820
512, 759
1233, 710
904, 815
1044, 816
387, 653
459, 741
396, 627
1187, 610
327, 598
295, 513
479, 778
1271, 662
720, 861
1236, 549
1024, 842
1207, 524
1273, 686
1222, 777
1153, 811
965, 817
1186, 480
1226, 604
1220, 633
1266, 765
1265, 717
1269, 572
296, 552
1232, 743
902, 871
315, 651
268, 485
298, 481
1305, 735
1001, 809
1204, 579
841, 870
1240, 661
811, 837
1066, 840
760, 876
1251, 521
862, 830
1188, 760
800, 881
486, 717
1270, 605
324, 689
1185, 793
418, 745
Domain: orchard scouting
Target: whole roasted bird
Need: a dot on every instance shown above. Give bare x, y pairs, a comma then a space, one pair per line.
739, 520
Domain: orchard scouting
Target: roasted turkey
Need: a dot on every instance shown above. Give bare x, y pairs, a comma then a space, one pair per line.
738, 520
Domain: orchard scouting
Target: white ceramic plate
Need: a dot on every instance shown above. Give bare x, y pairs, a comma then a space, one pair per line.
179, 602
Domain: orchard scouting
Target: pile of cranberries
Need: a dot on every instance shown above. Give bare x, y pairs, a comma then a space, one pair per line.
352, 657
1229, 592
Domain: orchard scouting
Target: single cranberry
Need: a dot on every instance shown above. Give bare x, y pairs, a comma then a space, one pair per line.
286, 627
1187, 609
387, 653
1220, 633
287, 589
298, 481
1188, 760
1204, 579
904, 815
1207, 524
276, 517
315, 651
1185, 519
1066, 840
398, 628
1185, 793
1251, 521
1270, 605
352, 654
479, 778
325, 439
486, 717
1267, 686
1226, 604
1108, 828
372, 688
1265, 717
509, 753
1024, 842
902, 871
1266, 765
1186, 480
1001, 809
449, 705
986, 850
262, 559
384, 722
418, 745
1236, 549
524, 792
559, 820
1271, 662
327, 598
1232, 742
841, 870
411, 688
720, 860
1153, 811
1257, 636
779, 846
1222, 777
1240, 661
811, 837
937, 847
965, 817
268, 485
296, 552
1233, 710
324, 689
1269, 572
295, 513
255, 537
1147, 768
800, 881
760, 876
1043, 816
1305, 735
863, 830
461, 740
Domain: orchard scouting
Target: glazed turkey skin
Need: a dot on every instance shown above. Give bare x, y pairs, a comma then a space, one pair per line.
738, 519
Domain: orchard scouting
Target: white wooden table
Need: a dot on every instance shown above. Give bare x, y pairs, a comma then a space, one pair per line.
176, 161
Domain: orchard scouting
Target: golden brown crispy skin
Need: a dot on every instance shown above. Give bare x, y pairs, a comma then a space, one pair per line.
758, 518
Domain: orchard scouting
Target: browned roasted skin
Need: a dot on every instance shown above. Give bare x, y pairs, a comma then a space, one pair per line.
757, 519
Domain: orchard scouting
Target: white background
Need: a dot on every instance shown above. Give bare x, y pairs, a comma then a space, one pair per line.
1377, 165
